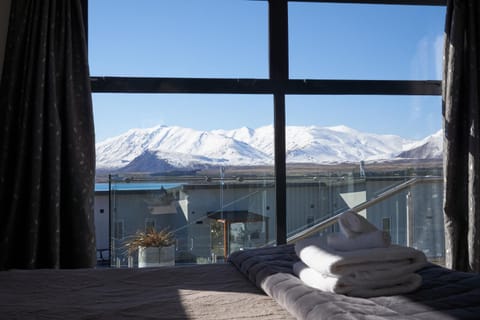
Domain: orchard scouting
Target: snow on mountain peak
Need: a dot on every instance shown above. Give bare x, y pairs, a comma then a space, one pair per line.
184, 147
342, 128
429, 147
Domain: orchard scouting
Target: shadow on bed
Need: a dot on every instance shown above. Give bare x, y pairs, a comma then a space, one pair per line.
185, 292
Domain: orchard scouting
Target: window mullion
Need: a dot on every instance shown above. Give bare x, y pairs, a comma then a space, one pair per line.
278, 62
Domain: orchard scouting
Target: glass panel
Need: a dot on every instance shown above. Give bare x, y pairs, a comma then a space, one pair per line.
383, 151
210, 213
179, 38
360, 41
117, 113
199, 166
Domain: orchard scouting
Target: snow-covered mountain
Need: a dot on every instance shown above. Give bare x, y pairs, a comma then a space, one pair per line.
165, 148
429, 148
180, 147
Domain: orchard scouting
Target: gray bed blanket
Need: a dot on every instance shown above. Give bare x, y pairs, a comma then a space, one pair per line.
444, 294
197, 292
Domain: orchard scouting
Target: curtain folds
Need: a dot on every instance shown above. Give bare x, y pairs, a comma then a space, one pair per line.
461, 116
47, 148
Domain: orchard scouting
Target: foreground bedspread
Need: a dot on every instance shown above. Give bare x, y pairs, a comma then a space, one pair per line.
186, 292
444, 294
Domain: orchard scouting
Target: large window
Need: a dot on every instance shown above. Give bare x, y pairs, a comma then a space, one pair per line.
179, 38
277, 114
352, 41
379, 144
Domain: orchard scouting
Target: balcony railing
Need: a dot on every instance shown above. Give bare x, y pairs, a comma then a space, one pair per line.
214, 216
384, 196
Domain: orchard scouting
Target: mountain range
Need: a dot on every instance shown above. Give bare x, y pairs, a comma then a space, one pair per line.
169, 148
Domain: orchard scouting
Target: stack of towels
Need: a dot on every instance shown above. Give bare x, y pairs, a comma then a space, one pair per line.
358, 261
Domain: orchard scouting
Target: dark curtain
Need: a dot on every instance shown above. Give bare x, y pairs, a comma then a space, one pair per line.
47, 149
461, 114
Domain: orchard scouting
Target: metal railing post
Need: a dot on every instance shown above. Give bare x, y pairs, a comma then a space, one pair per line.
409, 222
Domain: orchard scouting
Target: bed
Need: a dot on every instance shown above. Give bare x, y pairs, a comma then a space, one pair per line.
444, 294
216, 291
255, 284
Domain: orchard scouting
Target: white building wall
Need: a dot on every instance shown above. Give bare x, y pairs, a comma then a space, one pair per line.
101, 221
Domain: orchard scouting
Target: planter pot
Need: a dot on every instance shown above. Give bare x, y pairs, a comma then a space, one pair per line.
156, 256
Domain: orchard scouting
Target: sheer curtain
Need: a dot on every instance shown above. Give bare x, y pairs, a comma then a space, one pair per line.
461, 114
47, 148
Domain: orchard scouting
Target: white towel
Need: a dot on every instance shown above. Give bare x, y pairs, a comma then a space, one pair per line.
375, 262
374, 239
352, 224
353, 286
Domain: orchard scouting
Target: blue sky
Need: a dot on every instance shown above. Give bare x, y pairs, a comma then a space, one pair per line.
229, 39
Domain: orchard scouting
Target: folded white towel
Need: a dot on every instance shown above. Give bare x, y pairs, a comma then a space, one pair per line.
375, 262
352, 224
374, 239
353, 286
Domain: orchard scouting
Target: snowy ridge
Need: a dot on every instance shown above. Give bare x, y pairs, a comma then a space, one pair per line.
429, 148
178, 147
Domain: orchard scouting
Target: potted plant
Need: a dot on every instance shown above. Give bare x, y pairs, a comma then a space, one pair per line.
155, 248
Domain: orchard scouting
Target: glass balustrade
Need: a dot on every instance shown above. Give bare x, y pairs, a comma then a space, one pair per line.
216, 212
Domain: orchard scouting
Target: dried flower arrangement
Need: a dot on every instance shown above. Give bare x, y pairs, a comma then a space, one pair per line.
150, 238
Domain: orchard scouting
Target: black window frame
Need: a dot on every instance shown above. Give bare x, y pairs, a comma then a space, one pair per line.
278, 85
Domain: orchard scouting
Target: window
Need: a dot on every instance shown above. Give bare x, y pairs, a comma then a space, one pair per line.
179, 38
386, 225
149, 224
211, 65
409, 50
119, 229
